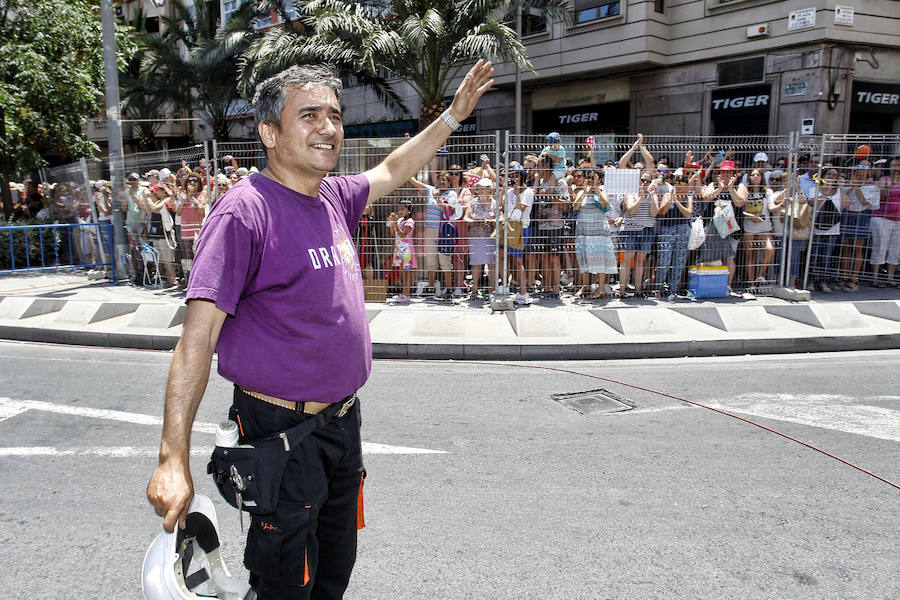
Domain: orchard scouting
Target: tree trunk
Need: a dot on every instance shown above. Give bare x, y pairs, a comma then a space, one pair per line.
7, 195
431, 111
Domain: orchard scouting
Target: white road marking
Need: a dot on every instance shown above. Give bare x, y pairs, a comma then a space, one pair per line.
135, 452
97, 413
836, 412
10, 408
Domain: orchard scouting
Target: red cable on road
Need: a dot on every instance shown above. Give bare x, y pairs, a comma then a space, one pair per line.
643, 389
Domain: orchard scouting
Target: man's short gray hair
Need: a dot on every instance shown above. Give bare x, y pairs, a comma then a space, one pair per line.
269, 99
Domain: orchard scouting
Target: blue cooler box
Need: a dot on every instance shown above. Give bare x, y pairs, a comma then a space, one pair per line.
708, 282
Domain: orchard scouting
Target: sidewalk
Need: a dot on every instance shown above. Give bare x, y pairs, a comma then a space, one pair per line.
66, 307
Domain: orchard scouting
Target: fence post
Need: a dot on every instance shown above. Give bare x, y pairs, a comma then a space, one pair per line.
812, 224
788, 214
500, 299
214, 170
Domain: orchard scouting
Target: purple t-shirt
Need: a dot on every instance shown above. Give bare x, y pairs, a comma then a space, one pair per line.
283, 266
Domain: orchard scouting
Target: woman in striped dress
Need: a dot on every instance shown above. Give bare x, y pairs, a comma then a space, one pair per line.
593, 242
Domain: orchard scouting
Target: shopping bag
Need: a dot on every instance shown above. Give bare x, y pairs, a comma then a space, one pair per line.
698, 234
724, 219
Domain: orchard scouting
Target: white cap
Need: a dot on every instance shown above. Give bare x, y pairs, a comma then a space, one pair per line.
761, 157
164, 173
484, 182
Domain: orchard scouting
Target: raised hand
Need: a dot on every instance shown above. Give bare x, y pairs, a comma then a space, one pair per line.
476, 82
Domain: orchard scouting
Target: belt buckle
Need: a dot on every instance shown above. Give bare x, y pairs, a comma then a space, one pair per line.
347, 406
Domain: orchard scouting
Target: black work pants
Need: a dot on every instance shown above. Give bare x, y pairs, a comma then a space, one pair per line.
305, 549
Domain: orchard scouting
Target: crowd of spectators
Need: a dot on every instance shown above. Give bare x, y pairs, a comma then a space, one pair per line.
568, 228
162, 212
565, 226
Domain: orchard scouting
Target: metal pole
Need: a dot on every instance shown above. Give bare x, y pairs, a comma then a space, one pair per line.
788, 216
208, 166
114, 128
518, 127
812, 225
94, 216
214, 168
497, 164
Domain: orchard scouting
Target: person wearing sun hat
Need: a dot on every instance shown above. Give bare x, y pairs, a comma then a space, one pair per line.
718, 193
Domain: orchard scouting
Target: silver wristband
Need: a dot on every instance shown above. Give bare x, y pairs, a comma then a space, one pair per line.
447, 118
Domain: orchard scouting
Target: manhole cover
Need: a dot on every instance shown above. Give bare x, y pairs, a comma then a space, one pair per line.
594, 402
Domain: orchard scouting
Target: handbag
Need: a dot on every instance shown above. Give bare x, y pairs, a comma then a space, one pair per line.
724, 219
827, 216
698, 234
510, 234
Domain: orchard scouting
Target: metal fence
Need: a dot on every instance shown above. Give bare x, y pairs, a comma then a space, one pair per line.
605, 248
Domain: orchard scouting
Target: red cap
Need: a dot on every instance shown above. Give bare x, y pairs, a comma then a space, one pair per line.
695, 166
158, 186
727, 165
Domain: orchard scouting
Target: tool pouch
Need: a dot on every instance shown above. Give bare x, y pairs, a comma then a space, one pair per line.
249, 476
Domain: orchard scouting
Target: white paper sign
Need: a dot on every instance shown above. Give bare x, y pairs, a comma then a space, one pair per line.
843, 15
802, 19
621, 181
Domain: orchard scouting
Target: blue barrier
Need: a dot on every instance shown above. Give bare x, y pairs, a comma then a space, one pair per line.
63, 248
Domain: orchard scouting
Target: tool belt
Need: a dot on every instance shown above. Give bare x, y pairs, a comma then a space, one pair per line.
249, 475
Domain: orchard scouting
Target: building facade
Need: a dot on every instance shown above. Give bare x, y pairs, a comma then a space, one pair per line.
692, 67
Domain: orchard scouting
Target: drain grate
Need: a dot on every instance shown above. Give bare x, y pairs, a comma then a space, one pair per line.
594, 402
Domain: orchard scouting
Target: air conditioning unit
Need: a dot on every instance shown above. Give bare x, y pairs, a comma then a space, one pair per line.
758, 30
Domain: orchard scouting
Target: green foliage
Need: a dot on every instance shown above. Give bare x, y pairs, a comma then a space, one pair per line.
51, 78
425, 43
193, 64
35, 237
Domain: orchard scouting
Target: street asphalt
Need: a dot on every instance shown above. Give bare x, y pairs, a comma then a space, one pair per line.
500, 480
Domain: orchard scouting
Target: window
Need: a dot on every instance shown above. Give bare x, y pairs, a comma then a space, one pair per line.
228, 7
748, 70
659, 6
532, 24
591, 10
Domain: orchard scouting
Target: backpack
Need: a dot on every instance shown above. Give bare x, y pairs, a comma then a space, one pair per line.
447, 237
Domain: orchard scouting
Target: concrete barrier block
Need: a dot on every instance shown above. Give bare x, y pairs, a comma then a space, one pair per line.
730, 318
158, 316
371, 313
823, 316
883, 310
83, 312
791, 294
637, 321
539, 323
16, 307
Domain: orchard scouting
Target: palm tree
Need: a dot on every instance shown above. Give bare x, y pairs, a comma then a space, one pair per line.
193, 64
296, 43
139, 101
425, 43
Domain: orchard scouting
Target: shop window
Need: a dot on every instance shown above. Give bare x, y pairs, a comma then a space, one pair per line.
592, 10
748, 70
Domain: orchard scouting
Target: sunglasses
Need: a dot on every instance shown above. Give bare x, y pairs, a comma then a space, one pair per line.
646, 180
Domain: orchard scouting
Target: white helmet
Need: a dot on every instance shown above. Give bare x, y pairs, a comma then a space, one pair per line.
186, 564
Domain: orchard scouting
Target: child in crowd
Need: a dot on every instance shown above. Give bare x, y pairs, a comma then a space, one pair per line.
402, 225
557, 154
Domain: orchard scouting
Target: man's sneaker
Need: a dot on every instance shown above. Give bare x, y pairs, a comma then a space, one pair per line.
672, 297
522, 298
457, 293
